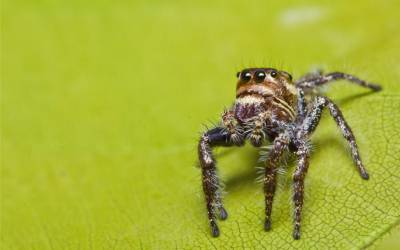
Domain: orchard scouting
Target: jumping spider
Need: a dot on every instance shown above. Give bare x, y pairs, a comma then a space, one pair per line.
271, 106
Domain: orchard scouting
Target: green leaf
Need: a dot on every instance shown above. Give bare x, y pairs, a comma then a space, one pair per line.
103, 102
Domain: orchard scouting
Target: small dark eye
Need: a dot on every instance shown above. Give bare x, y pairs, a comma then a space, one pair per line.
287, 75
238, 74
245, 76
260, 76
274, 73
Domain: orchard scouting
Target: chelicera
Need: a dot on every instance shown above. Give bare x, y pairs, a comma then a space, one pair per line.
271, 108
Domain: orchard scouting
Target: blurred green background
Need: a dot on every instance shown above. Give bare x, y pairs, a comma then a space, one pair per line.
102, 103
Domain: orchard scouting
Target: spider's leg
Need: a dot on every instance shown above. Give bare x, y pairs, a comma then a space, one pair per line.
214, 137
319, 80
303, 154
301, 105
313, 118
271, 165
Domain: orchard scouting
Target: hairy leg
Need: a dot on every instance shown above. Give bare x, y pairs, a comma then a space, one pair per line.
301, 105
313, 118
212, 138
303, 154
279, 146
319, 80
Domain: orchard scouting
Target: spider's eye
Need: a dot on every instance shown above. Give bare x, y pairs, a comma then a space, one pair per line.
274, 73
245, 76
238, 74
260, 76
287, 75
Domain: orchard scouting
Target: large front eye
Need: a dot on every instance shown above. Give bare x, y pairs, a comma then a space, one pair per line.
245, 76
260, 76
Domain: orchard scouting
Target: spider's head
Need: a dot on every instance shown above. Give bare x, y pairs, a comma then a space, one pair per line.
263, 82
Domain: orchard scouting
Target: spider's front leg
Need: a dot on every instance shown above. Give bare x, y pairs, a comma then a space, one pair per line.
280, 144
214, 137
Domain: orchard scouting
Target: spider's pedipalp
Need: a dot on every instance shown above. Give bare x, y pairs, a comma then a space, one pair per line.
230, 124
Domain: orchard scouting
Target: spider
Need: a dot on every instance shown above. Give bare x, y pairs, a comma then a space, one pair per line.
271, 107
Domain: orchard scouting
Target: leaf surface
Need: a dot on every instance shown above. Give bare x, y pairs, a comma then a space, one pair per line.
102, 104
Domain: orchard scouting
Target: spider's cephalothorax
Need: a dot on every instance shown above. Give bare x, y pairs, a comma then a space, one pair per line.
271, 107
